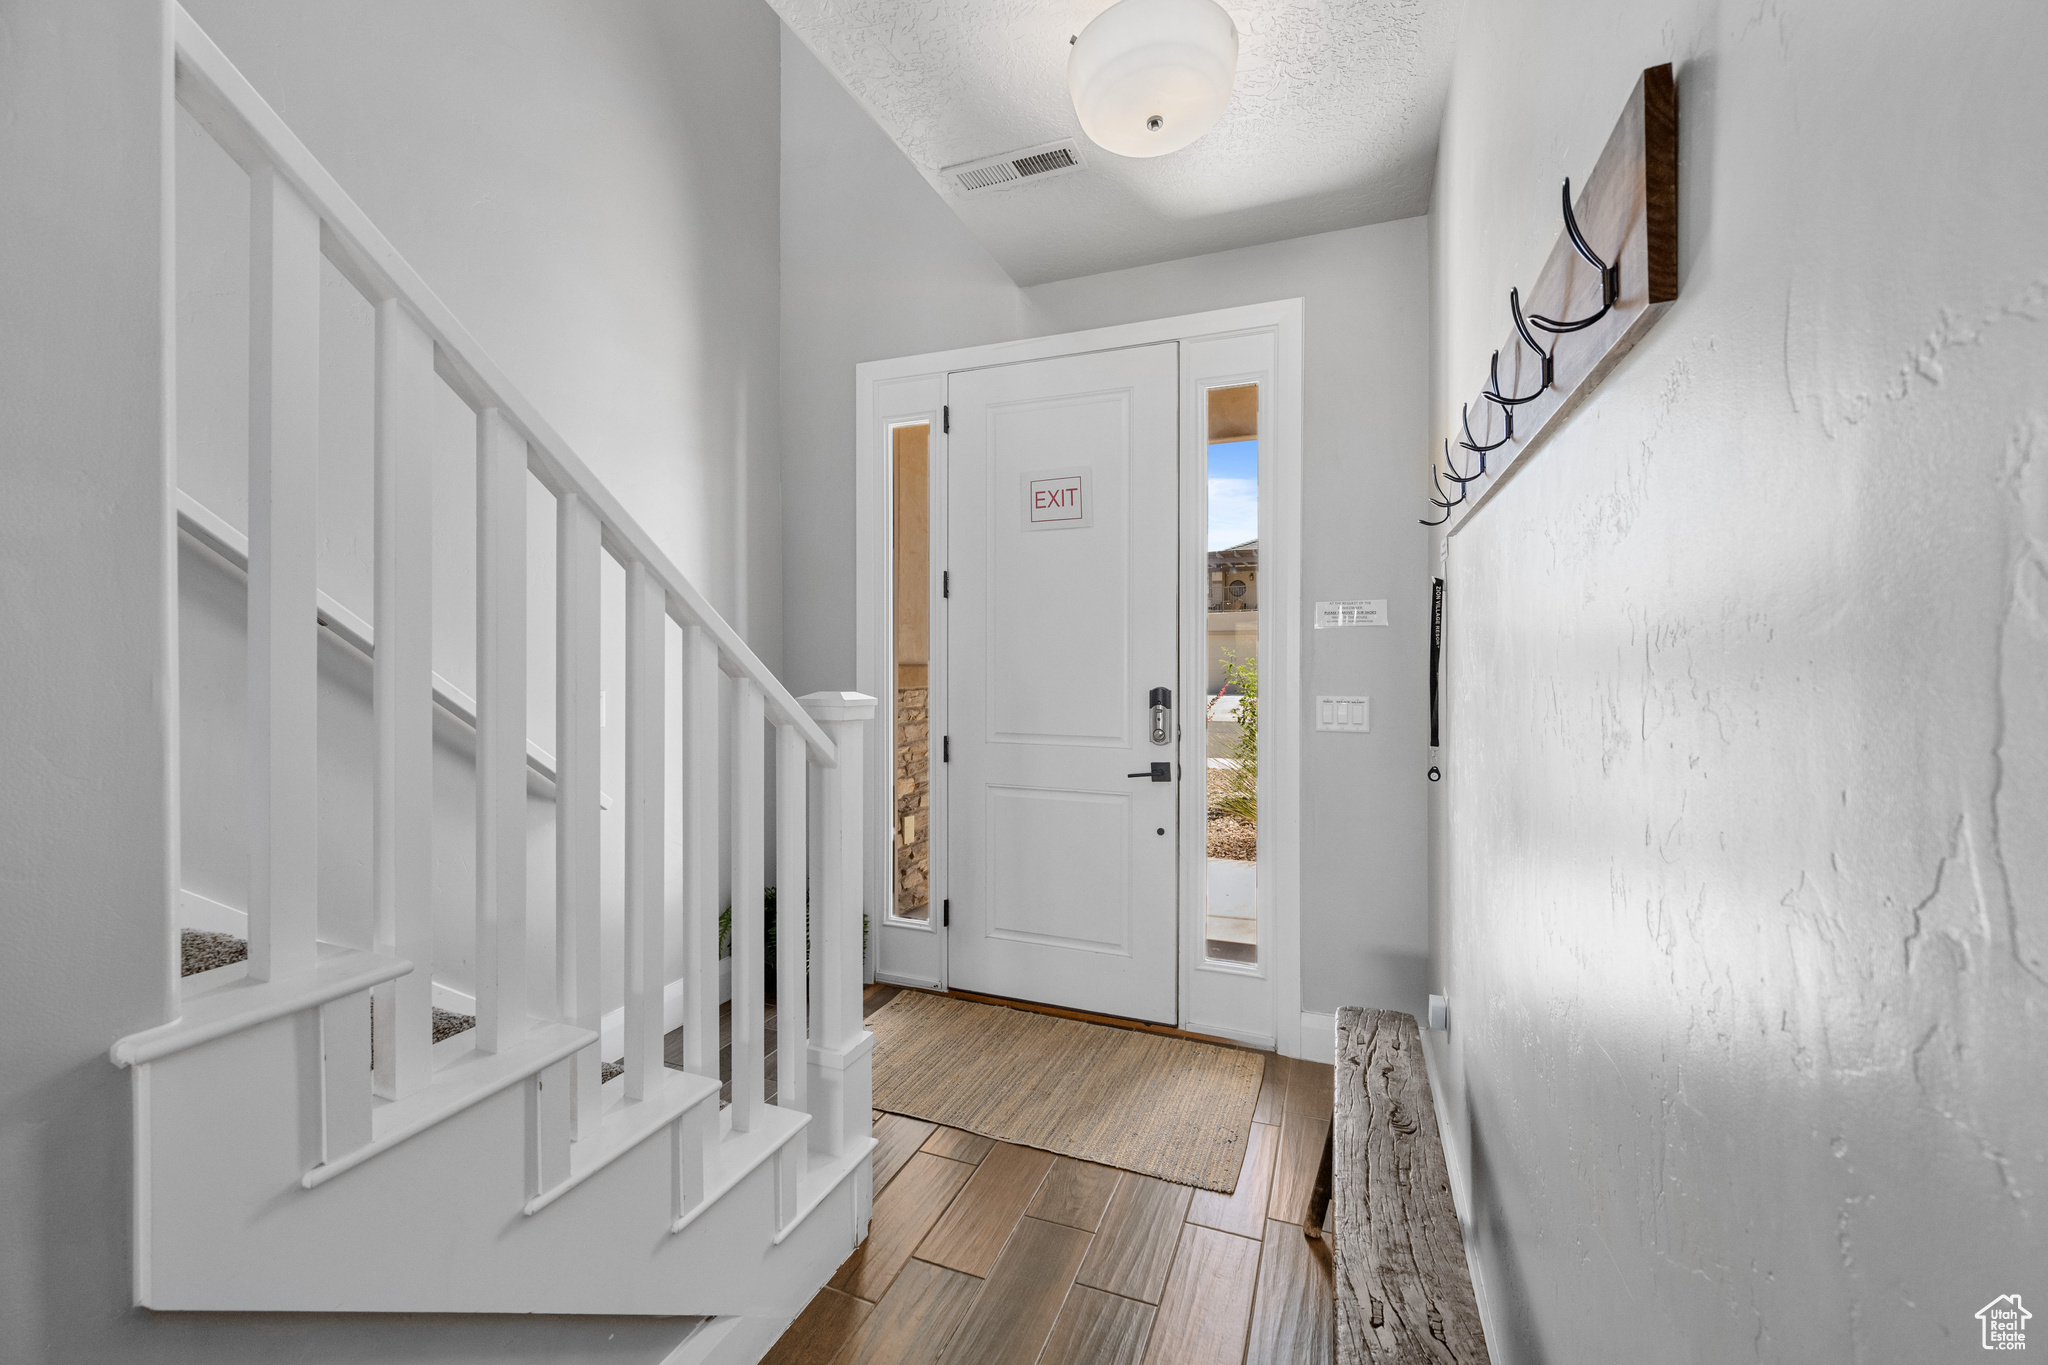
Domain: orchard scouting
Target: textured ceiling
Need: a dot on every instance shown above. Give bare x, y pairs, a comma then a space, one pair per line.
1333, 122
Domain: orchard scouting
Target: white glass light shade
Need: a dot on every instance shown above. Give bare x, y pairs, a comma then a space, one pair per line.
1150, 76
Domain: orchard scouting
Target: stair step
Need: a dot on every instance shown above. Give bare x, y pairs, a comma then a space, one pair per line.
202, 950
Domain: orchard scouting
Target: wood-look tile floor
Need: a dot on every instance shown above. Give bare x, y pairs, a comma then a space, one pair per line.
987, 1253
672, 1054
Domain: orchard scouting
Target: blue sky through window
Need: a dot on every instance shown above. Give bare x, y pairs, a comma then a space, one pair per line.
1233, 493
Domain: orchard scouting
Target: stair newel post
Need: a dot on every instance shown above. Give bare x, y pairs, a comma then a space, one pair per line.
403, 697
700, 851
792, 909
578, 561
284, 524
646, 780
501, 1012
840, 1081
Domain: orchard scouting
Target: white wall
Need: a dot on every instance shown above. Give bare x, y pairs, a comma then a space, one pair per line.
593, 190
1364, 873
874, 265
1741, 872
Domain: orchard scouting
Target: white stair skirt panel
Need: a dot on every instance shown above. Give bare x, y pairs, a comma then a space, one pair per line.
437, 1222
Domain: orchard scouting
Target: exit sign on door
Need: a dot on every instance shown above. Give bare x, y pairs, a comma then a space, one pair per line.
1057, 499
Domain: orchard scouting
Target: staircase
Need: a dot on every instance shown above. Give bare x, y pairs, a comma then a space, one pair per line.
301, 1140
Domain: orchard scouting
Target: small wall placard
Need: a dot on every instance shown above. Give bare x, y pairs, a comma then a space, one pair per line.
1356, 612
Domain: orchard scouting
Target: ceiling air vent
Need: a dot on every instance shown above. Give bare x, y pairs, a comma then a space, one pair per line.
1032, 163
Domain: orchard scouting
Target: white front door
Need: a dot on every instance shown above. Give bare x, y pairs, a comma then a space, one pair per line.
1063, 543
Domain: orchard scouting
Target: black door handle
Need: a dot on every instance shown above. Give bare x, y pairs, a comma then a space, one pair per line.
1159, 772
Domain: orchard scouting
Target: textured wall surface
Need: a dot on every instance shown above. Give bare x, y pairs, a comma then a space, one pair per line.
1742, 883
1332, 123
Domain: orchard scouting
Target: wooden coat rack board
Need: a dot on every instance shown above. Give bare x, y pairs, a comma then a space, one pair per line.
1628, 215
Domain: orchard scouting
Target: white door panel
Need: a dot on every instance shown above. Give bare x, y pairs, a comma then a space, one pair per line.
1063, 532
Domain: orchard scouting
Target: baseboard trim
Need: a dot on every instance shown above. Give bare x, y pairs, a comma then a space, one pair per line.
733, 1340
1318, 1037
1461, 1191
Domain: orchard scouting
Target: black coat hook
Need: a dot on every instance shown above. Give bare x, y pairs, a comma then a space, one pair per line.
1447, 506
1438, 499
1465, 416
1493, 392
1610, 275
1522, 328
1452, 470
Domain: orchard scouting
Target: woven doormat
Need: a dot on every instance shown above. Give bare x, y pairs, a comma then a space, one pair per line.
1165, 1107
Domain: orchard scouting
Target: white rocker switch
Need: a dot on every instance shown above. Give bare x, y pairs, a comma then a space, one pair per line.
1346, 715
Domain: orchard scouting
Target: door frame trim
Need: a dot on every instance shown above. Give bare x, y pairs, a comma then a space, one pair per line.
890, 393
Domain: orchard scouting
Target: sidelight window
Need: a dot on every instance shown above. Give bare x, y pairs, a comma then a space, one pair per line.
912, 847
1230, 920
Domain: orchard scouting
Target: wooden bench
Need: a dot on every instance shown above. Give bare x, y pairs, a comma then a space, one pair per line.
1404, 1295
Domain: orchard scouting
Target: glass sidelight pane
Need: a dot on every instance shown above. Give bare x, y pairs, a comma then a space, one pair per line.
1231, 707
910, 450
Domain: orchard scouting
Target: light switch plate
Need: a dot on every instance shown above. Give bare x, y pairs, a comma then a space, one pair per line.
1347, 715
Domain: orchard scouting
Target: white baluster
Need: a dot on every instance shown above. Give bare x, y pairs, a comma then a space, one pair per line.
501, 1017
748, 856
792, 770
403, 689
840, 1080
700, 850
578, 559
646, 938
284, 524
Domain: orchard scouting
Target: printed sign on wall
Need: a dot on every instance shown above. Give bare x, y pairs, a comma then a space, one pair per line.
1357, 612
1058, 499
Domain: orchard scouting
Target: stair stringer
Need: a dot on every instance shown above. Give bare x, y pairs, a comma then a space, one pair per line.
223, 1132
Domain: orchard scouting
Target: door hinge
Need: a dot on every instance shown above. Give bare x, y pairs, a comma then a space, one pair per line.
946, 418
945, 914
945, 582
945, 748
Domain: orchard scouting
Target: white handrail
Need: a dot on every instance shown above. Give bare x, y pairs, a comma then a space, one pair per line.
245, 125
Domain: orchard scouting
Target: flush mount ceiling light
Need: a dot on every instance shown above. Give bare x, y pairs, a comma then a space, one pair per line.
1150, 76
